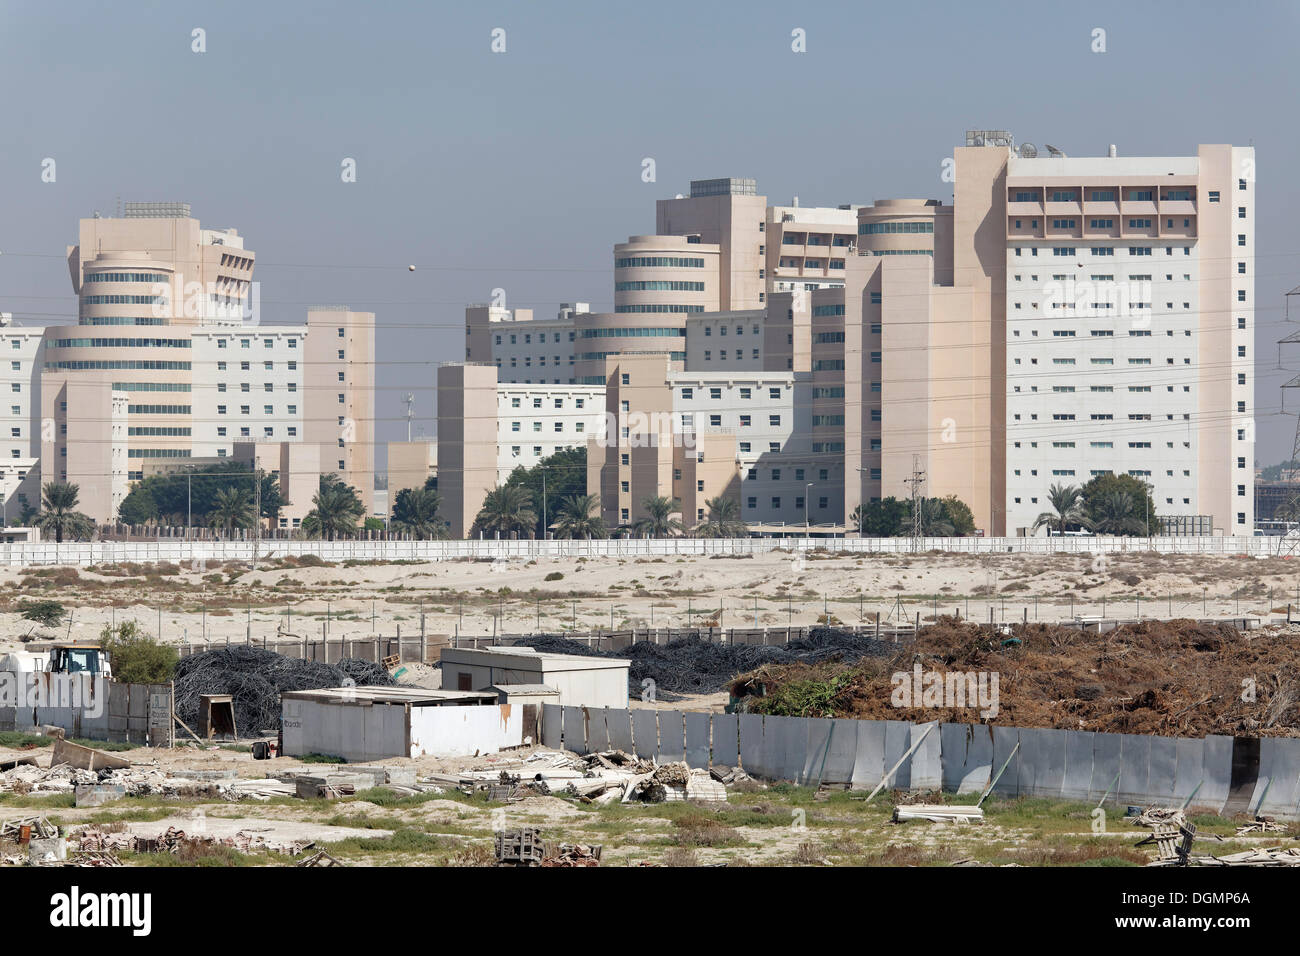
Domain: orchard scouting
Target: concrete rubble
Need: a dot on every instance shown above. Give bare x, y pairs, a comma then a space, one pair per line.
598, 778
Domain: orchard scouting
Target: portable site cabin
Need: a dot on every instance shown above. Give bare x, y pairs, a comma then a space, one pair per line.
370, 723
581, 681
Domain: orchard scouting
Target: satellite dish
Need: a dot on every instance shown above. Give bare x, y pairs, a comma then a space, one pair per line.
1055, 152
1028, 151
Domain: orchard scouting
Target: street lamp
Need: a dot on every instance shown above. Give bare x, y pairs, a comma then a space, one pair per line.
806, 490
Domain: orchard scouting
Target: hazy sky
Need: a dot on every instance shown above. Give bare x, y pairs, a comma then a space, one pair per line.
520, 169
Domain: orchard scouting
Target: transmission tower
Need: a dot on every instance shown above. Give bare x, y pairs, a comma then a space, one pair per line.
1291, 507
916, 481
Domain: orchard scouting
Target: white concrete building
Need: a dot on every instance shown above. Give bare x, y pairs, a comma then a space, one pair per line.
1129, 329
536, 421
249, 385
20, 416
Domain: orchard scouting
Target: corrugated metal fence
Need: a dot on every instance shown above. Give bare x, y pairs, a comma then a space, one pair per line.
1226, 774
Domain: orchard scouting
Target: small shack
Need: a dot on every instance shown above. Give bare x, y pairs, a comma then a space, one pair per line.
370, 723
580, 681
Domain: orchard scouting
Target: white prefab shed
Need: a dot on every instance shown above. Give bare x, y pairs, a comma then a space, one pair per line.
580, 681
371, 723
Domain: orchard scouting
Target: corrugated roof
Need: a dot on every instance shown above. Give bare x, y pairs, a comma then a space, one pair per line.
419, 696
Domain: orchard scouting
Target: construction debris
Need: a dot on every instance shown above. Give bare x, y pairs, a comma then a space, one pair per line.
1159, 816
521, 847
1261, 825
938, 813
1274, 856
574, 854
1173, 843
320, 858
25, 829
85, 758
98, 839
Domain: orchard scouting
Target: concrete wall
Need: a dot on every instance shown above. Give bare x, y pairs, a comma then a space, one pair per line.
85, 553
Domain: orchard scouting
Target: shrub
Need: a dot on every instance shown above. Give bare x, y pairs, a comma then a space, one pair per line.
46, 613
136, 657
554, 576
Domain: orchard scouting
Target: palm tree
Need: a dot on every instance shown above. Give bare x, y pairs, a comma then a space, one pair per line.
336, 513
1067, 509
658, 521
415, 512
506, 509
59, 514
231, 509
576, 520
722, 520
1116, 513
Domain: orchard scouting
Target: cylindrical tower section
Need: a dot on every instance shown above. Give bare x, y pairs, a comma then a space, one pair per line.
665, 275
893, 227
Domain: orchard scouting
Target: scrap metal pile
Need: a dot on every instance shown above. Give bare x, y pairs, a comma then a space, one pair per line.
691, 665
256, 678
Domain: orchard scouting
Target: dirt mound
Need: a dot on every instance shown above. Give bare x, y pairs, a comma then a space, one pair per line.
1173, 678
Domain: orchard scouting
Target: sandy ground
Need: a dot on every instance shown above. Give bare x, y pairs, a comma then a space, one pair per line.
473, 598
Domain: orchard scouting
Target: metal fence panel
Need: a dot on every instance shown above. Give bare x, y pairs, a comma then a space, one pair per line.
726, 742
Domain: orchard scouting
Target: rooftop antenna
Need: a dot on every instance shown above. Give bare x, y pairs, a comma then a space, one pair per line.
409, 398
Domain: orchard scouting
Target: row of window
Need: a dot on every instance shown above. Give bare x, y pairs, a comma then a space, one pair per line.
884, 228
127, 277
516, 401
120, 320
675, 309
158, 409
528, 338
715, 393
722, 330
655, 262
722, 355
158, 431
118, 344
663, 285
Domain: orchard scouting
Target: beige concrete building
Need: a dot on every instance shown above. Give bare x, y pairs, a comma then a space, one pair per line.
410, 465
340, 387
83, 440
1060, 319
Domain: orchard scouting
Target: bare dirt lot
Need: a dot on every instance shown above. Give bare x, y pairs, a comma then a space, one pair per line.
759, 825
303, 597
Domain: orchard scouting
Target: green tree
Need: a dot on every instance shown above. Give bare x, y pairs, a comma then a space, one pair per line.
1115, 512
658, 521
579, 517
958, 514
136, 657
880, 519
231, 509
336, 510
1067, 509
722, 519
505, 511
1108, 513
553, 479
59, 512
45, 613
138, 507
415, 512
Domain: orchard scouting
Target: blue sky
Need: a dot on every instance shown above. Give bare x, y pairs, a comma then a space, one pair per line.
519, 170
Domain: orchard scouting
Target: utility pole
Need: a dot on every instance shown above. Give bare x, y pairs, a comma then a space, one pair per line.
409, 398
916, 481
257, 515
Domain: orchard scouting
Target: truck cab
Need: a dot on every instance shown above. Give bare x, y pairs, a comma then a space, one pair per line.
79, 659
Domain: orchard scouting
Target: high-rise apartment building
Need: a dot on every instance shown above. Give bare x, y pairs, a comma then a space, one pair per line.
1060, 319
